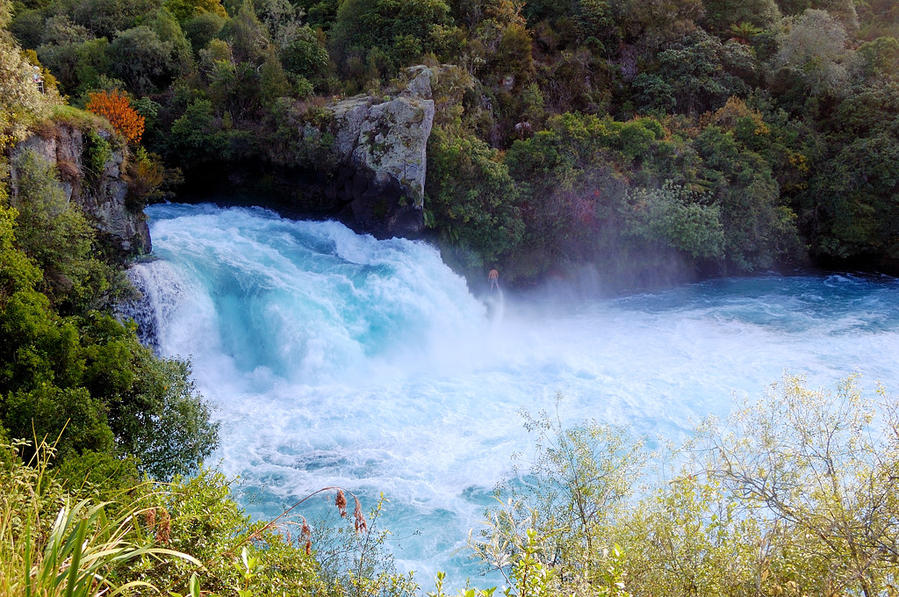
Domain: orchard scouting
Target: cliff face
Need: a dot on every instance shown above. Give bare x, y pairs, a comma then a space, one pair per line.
380, 147
103, 198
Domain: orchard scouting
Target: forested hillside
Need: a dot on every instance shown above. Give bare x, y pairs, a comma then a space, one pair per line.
686, 135
656, 139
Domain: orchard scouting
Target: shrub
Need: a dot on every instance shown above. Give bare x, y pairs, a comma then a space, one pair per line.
115, 107
52, 544
792, 495
471, 199
95, 154
56, 234
674, 217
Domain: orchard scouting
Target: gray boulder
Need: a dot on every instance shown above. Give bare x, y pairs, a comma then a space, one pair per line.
381, 145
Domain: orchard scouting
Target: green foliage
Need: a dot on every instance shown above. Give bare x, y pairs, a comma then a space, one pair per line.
574, 200
85, 373
793, 495
857, 201
56, 235
104, 18
201, 29
81, 119
58, 538
554, 519
17, 272
142, 60
247, 35
70, 551
695, 75
677, 218
471, 199
195, 135
305, 55
231, 81
152, 405
880, 57
169, 31
398, 30
21, 104
96, 153
813, 50
819, 464
186, 10
721, 14
204, 520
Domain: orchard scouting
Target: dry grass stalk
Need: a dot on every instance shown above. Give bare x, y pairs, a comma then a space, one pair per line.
164, 528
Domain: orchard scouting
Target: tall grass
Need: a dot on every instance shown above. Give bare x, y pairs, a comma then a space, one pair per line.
51, 547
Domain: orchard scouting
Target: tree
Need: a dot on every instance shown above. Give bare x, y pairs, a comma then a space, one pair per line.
305, 55
672, 216
247, 35
721, 14
142, 60
855, 195
880, 58
386, 25
657, 22
759, 232
115, 107
813, 49
561, 507
823, 465
169, 31
196, 136
695, 75
185, 10
471, 199
793, 495
201, 29
106, 18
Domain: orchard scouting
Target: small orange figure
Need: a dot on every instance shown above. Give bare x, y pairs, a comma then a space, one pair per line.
493, 276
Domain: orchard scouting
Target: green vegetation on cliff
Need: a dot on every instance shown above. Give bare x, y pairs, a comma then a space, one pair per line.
773, 123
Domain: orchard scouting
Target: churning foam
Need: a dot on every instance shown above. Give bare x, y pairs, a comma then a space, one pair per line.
334, 358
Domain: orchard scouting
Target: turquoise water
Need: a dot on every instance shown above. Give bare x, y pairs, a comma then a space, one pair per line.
336, 359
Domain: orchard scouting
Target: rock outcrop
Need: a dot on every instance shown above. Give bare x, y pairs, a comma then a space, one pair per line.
103, 199
380, 146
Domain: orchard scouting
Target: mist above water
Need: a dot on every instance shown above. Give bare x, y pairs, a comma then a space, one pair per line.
336, 359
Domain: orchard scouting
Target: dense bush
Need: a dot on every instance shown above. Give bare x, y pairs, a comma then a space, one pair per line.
67, 366
58, 538
472, 196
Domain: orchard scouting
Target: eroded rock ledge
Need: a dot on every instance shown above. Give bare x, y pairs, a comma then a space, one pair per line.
103, 200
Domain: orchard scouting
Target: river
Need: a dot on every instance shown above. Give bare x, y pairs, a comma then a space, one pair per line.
336, 359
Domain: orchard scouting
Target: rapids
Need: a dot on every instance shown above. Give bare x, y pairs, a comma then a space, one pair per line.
335, 359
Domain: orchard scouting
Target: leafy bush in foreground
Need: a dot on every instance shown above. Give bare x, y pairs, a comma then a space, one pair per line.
795, 495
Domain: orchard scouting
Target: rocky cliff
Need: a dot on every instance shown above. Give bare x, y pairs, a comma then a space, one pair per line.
102, 195
379, 146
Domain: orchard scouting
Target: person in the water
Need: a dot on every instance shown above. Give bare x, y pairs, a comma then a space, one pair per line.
493, 276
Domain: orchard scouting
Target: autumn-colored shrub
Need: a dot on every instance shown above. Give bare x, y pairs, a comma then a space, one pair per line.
116, 108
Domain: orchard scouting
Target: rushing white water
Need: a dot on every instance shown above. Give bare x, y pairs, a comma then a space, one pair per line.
334, 358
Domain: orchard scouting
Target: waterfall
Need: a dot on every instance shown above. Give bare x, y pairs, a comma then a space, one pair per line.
335, 358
